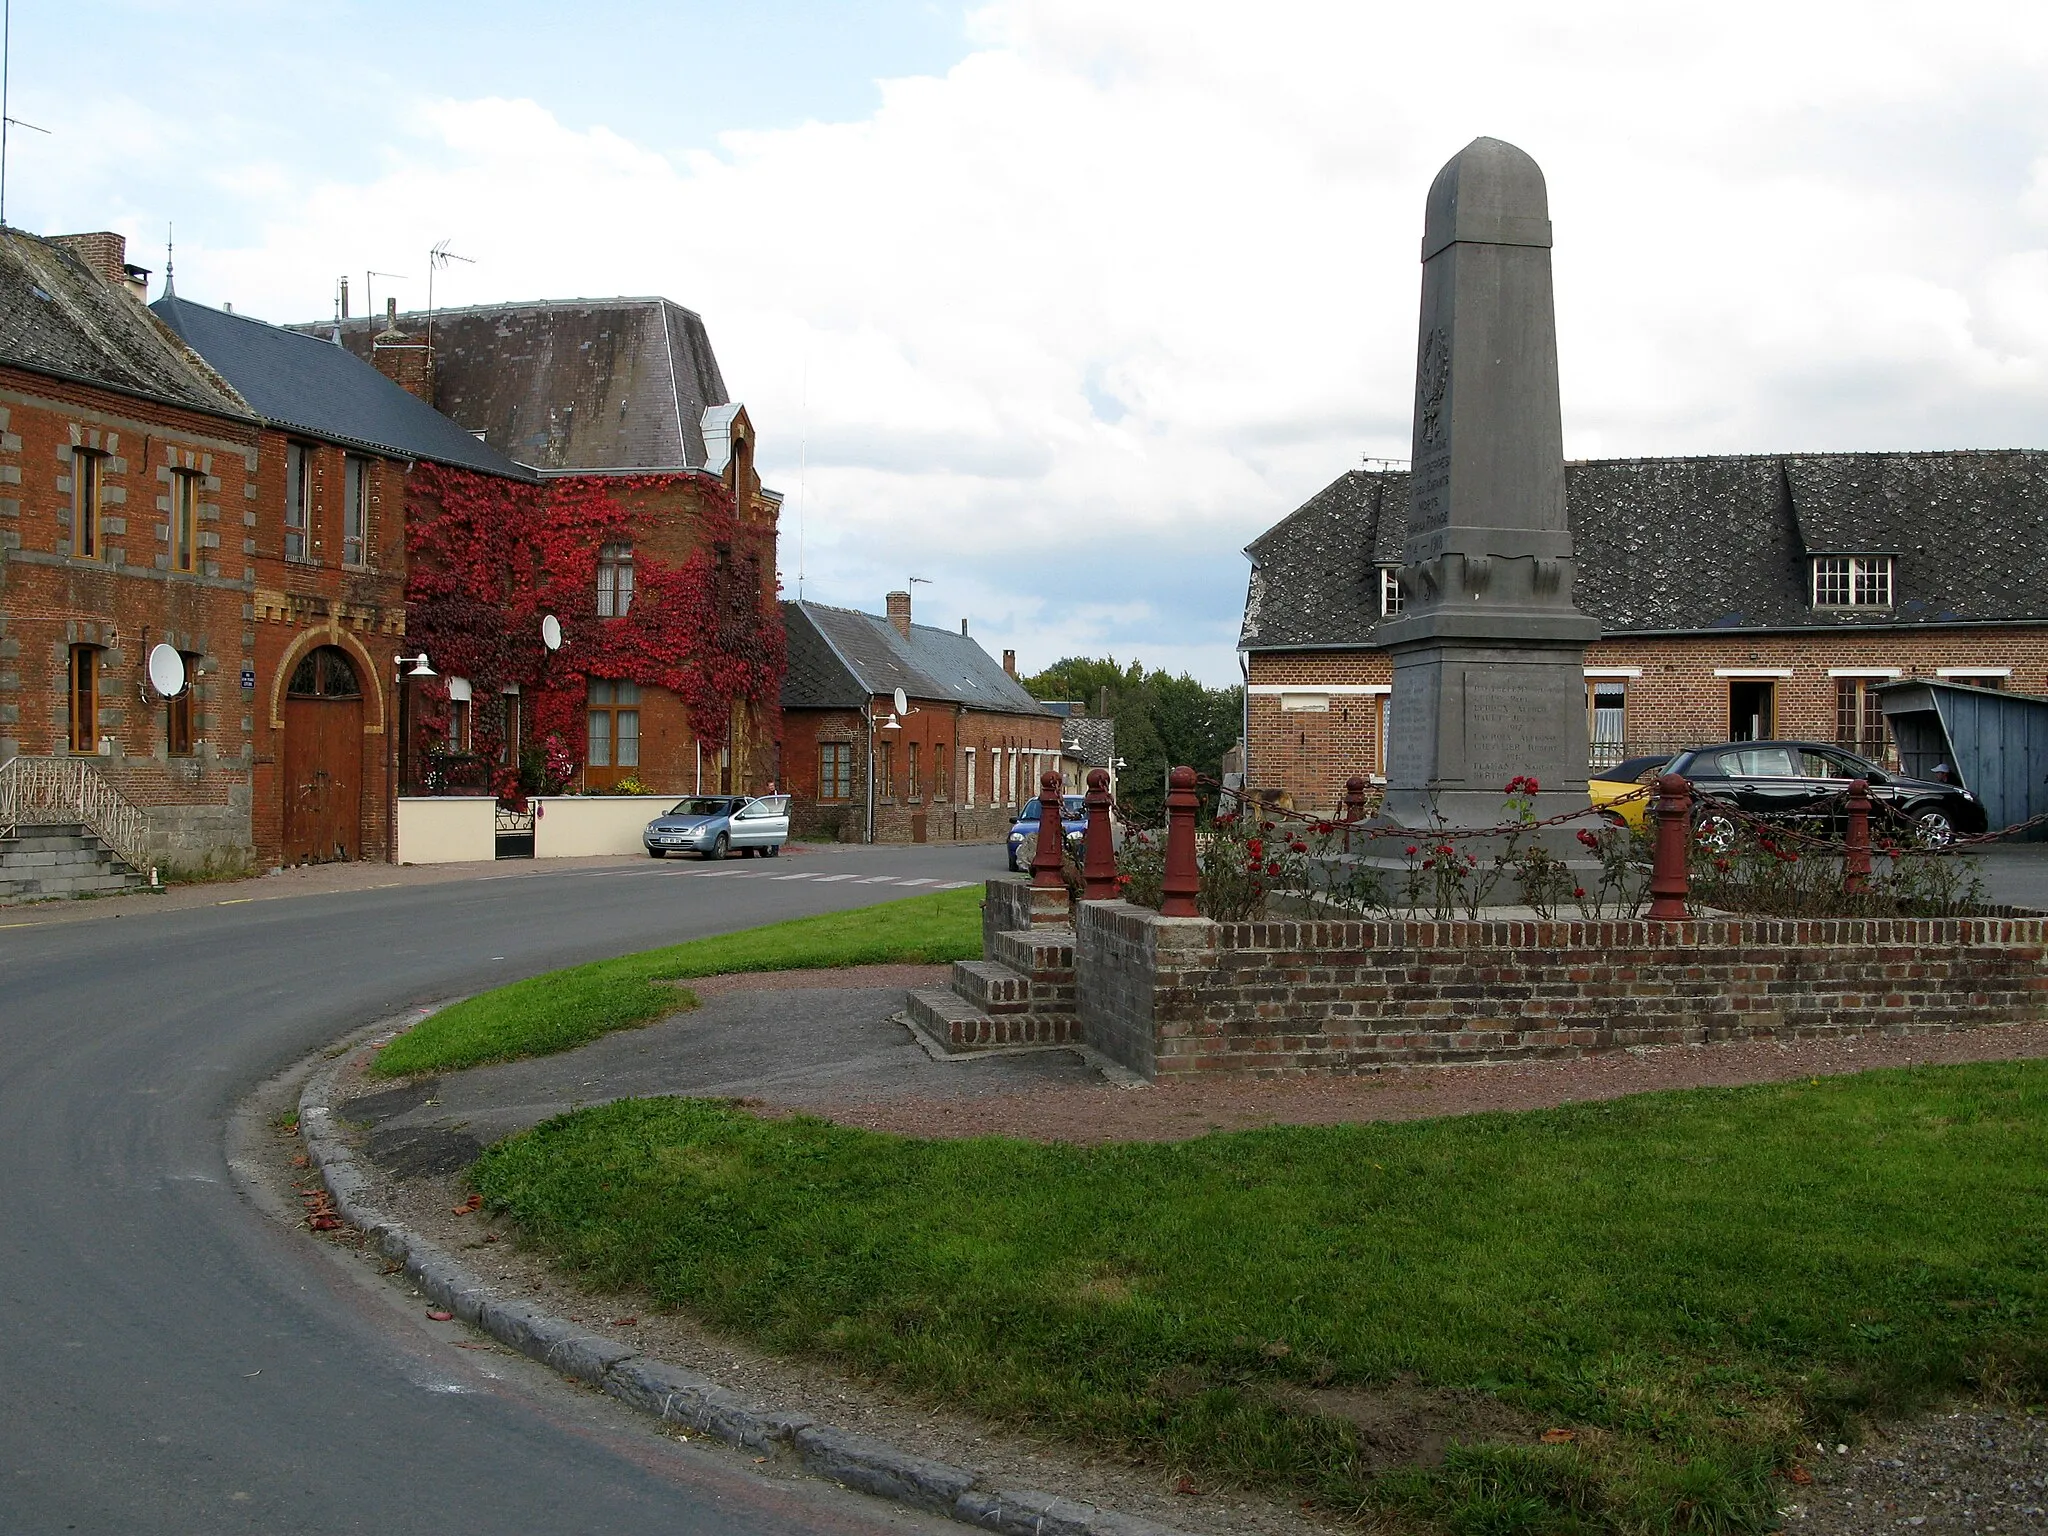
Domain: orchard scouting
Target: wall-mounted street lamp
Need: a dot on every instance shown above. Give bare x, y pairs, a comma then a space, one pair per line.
894, 723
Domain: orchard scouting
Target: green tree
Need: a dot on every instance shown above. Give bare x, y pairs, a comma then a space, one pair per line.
1161, 721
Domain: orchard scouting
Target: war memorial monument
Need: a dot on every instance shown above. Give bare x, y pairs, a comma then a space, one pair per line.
1488, 651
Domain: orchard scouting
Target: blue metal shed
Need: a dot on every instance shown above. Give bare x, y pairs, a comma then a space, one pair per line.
1995, 744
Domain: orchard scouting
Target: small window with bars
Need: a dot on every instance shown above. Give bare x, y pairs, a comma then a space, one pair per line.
86, 472
1390, 591
614, 581
1852, 581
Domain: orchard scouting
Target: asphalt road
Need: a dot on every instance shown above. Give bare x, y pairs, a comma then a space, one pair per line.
172, 1360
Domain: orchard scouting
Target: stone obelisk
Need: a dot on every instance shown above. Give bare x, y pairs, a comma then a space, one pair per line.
1489, 654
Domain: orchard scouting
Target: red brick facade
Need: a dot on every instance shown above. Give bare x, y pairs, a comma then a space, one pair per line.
972, 768
1314, 717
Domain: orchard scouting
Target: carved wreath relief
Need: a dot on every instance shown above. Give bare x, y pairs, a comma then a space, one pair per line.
1432, 383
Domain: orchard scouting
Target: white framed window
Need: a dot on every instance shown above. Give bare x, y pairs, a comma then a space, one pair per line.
614, 581
1390, 591
1852, 581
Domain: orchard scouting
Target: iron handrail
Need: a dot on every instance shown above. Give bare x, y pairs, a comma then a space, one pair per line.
53, 791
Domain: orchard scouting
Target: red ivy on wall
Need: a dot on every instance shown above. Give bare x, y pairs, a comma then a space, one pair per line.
489, 557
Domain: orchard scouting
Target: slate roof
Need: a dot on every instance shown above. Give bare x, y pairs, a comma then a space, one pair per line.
59, 317
304, 384
1092, 738
1684, 545
840, 658
577, 384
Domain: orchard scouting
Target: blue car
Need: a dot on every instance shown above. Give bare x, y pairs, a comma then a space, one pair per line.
1073, 816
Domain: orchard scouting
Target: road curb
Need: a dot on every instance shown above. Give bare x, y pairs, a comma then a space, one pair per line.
675, 1395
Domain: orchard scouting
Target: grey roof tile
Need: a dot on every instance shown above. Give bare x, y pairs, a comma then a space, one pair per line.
570, 384
841, 657
59, 317
298, 382
1701, 543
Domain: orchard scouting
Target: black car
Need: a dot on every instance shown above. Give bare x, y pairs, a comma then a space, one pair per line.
1804, 780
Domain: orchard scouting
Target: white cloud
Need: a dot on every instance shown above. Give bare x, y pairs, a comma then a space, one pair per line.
1067, 327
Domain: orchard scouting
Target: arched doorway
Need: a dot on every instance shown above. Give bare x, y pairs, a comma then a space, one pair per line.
323, 759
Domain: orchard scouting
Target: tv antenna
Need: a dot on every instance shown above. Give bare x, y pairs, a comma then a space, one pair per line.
6, 122
369, 297
437, 261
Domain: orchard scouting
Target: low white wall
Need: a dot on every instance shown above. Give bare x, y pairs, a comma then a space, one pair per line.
577, 826
447, 829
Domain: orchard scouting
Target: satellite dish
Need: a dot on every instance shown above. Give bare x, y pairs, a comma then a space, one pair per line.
166, 670
902, 702
551, 632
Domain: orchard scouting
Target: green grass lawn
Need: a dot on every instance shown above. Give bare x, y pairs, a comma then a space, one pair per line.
565, 1009
1698, 1284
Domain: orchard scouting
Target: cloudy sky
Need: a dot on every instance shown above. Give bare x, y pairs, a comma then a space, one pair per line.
1058, 303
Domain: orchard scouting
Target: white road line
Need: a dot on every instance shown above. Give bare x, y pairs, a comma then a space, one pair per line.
828, 879
806, 875
917, 882
711, 874
876, 879
956, 885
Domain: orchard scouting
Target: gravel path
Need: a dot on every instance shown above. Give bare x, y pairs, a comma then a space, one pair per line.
1968, 1472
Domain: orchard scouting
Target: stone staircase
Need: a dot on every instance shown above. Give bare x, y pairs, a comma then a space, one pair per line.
1021, 992
63, 859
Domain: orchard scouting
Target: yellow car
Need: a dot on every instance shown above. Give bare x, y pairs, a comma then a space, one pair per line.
1620, 793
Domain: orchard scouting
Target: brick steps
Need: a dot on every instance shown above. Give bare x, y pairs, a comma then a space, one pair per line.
959, 1025
38, 863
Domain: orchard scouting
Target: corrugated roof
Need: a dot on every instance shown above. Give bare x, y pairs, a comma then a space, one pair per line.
303, 384
579, 384
59, 317
1701, 543
840, 657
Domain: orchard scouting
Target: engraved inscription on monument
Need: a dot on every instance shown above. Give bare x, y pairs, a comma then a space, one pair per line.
1510, 723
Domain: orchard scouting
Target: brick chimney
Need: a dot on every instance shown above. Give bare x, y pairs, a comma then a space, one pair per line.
105, 252
1010, 662
401, 359
899, 612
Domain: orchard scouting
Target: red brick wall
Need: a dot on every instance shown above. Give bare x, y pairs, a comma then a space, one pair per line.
302, 604
935, 726
1677, 701
128, 600
1178, 997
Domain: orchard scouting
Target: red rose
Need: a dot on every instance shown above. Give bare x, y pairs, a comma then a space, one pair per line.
1579, 892
1299, 847
1273, 868
1411, 850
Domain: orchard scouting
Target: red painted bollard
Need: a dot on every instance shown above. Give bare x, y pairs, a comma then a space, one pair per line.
1183, 879
1668, 882
1052, 837
1098, 852
1856, 846
1354, 806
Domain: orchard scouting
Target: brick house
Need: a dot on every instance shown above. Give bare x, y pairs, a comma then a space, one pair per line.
328, 496
971, 747
1739, 597
130, 481
627, 391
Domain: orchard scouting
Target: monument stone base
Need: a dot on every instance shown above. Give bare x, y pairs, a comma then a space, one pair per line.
1471, 714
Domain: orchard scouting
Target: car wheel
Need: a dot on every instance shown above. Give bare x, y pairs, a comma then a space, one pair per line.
772, 851
657, 853
1714, 831
718, 848
1933, 829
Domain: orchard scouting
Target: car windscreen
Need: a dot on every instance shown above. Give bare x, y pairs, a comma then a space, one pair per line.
699, 808
1074, 808
1028, 811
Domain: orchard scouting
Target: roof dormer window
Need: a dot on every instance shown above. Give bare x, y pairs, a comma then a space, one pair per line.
1390, 591
1852, 581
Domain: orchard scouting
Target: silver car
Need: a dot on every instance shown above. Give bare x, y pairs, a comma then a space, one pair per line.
710, 826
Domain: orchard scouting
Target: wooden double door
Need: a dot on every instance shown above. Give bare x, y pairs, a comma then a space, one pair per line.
323, 759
